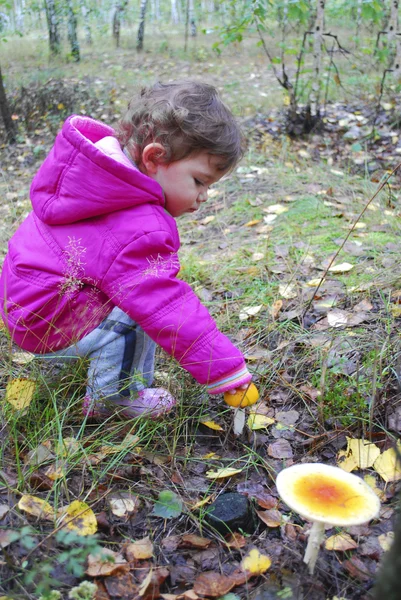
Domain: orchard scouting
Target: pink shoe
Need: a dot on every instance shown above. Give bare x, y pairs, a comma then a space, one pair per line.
151, 402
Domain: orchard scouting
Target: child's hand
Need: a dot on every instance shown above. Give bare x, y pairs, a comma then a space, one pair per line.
245, 386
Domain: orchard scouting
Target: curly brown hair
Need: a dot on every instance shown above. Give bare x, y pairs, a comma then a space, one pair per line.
185, 117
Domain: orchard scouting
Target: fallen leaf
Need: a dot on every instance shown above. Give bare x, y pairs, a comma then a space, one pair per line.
249, 311
387, 466
139, 550
271, 518
78, 517
287, 291
252, 223
168, 505
201, 503
208, 220
55, 471
36, 507
341, 268
191, 540
124, 504
222, 473
340, 542
314, 282
38, 455
22, 358
4, 509
105, 563
67, 447
19, 393
386, 540
337, 318
276, 209
235, 540
7, 537
256, 563
258, 256
280, 449
275, 308
371, 481
359, 454
212, 425
257, 421
213, 585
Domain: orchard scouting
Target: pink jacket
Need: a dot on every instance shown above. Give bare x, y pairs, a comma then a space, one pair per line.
98, 237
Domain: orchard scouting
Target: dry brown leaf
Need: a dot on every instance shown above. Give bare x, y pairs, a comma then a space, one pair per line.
275, 308
106, 563
139, 550
213, 585
7, 536
191, 540
271, 518
236, 540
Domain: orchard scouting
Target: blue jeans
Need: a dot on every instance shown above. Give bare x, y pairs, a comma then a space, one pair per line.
121, 357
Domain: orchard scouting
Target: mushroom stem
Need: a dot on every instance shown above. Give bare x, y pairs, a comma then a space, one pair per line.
316, 535
239, 420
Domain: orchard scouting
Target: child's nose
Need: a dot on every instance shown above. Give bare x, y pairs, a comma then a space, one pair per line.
203, 196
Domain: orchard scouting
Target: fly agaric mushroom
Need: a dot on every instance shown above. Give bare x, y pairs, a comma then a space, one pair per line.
326, 495
242, 397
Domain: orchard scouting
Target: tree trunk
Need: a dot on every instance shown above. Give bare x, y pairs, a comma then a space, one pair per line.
52, 25
393, 24
85, 12
141, 28
19, 7
72, 32
118, 10
191, 15
6, 113
314, 98
174, 12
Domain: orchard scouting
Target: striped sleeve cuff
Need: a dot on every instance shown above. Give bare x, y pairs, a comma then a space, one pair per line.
230, 382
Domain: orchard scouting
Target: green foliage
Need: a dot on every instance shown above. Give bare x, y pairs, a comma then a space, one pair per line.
78, 548
168, 506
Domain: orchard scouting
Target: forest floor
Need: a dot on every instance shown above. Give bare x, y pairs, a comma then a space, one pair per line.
324, 348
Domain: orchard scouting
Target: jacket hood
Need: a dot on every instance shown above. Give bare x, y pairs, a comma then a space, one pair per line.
78, 181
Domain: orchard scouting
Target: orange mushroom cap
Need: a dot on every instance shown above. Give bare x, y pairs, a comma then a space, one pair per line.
242, 398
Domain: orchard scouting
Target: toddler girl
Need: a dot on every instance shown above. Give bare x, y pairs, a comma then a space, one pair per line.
92, 271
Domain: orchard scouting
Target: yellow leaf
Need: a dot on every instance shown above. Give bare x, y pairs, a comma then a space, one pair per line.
212, 425
201, 503
222, 473
252, 223
387, 466
208, 219
340, 542
36, 507
314, 282
210, 455
79, 517
371, 481
256, 421
55, 471
341, 268
19, 393
359, 454
256, 563
60, 106
67, 447
140, 550
386, 539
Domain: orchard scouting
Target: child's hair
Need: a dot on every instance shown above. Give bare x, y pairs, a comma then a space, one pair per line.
184, 117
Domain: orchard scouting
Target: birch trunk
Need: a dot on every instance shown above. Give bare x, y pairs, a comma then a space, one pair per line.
191, 15
116, 20
6, 113
174, 12
314, 98
393, 23
358, 20
19, 7
53, 26
85, 12
72, 31
141, 28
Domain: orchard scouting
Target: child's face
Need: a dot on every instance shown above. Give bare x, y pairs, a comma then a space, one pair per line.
186, 182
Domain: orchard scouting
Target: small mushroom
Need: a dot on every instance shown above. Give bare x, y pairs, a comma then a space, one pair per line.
326, 495
241, 398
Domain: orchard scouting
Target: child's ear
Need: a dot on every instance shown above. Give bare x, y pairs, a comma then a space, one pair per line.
153, 155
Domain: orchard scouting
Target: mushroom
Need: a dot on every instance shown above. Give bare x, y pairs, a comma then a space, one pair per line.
242, 397
326, 495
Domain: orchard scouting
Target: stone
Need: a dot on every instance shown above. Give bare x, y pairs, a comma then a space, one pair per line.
231, 512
